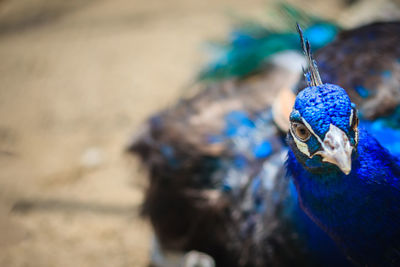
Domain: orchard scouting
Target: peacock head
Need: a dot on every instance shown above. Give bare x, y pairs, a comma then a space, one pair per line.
323, 130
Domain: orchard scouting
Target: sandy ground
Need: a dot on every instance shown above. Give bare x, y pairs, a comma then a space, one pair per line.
77, 78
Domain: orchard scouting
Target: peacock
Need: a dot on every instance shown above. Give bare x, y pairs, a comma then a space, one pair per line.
347, 182
216, 160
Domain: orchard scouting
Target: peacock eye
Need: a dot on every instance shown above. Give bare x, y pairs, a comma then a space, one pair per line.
301, 131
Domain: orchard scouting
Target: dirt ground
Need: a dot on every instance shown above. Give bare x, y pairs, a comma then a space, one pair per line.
77, 78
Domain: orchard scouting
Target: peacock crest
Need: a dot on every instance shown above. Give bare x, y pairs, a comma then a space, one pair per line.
311, 73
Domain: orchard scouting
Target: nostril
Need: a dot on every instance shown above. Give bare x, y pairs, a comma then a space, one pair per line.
329, 145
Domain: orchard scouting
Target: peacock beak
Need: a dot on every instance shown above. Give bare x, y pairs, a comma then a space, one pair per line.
336, 149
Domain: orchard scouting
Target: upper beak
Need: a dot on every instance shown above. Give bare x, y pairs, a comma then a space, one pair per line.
336, 149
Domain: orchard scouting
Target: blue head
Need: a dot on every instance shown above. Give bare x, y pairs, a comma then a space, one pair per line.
323, 133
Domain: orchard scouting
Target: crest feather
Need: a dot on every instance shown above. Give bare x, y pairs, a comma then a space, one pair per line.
311, 73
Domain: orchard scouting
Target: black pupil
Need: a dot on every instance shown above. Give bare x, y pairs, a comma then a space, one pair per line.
301, 131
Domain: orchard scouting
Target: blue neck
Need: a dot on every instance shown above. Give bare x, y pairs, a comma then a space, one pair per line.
360, 211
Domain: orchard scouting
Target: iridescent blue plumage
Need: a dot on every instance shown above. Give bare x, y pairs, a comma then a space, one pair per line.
361, 210
348, 184
330, 105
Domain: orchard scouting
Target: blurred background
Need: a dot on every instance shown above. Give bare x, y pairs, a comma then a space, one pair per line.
77, 79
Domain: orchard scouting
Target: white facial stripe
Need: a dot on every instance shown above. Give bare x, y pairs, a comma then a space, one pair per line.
351, 117
311, 130
356, 129
356, 136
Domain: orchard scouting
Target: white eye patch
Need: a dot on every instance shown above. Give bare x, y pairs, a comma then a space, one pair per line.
303, 148
351, 117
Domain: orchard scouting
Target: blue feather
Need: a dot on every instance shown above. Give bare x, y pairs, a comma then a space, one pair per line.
362, 91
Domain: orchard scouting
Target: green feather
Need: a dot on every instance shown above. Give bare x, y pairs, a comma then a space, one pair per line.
251, 44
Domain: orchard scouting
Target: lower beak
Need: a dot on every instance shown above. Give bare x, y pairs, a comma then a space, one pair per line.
341, 159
